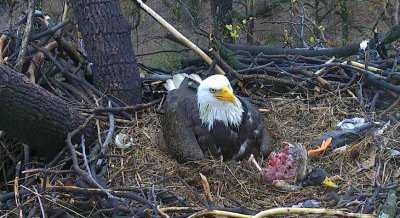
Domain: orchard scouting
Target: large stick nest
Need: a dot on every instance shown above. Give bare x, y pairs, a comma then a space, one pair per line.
145, 180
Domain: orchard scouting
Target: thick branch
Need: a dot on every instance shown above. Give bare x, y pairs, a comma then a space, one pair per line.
344, 51
34, 115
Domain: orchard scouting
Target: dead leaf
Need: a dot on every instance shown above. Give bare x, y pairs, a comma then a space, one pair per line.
371, 161
322, 148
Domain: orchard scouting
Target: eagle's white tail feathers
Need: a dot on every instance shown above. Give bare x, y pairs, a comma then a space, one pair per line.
169, 85
195, 77
177, 79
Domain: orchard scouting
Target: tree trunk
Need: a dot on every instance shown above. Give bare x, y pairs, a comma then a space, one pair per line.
220, 10
107, 39
33, 115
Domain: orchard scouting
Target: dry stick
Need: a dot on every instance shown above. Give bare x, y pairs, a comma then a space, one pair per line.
27, 35
363, 66
90, 180
69, 75
108, 136
187, 186
49, 199
253, 76
37, 60
89, 173
74, 158
206, 213
289, 210
40, 202
281, 211
162, 213
321, 80
86, 191
318, 72
2, 40
274, 80
256, 68
51, 30
16, 188
127, 108
393, 105
207, 191
47, 171
225, 65
179, 35
179, 209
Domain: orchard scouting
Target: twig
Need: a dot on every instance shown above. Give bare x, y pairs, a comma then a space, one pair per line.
127, 108
363, 66
274, 80
256, 68
188, 187
162, 213
225, 65
40, 203
42, 170
52, 30
281, 211
207, 191
86, 191
2, 40
393, 105
16, 188
71, 76
27, 35
164, 51
74, 158
180, 209
86, 164
109, 135
322, 211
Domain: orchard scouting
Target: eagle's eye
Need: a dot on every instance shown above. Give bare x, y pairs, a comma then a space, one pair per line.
212, 90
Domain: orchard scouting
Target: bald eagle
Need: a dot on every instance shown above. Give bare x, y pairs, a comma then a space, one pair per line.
204, 117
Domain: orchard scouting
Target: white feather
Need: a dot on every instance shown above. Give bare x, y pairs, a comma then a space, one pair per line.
169, 85
195, 77
364, 44
177, 79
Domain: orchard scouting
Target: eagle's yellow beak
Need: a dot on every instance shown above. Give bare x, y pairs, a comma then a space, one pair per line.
328, 182
225, 94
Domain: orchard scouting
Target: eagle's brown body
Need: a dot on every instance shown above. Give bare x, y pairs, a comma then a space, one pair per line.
188, 139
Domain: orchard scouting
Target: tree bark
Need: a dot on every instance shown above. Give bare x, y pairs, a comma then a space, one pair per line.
107, 39
33, 115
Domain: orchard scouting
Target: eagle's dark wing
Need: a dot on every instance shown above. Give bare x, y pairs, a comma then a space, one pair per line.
238, 143
185, 137
252, 133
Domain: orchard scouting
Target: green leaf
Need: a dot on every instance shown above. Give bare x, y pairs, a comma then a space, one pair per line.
234, 34
229, 27
312, 39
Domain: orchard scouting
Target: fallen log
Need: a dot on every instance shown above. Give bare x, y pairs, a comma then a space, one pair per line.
33, 115
344, 51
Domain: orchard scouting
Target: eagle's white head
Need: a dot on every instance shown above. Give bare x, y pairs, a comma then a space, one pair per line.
217, 102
